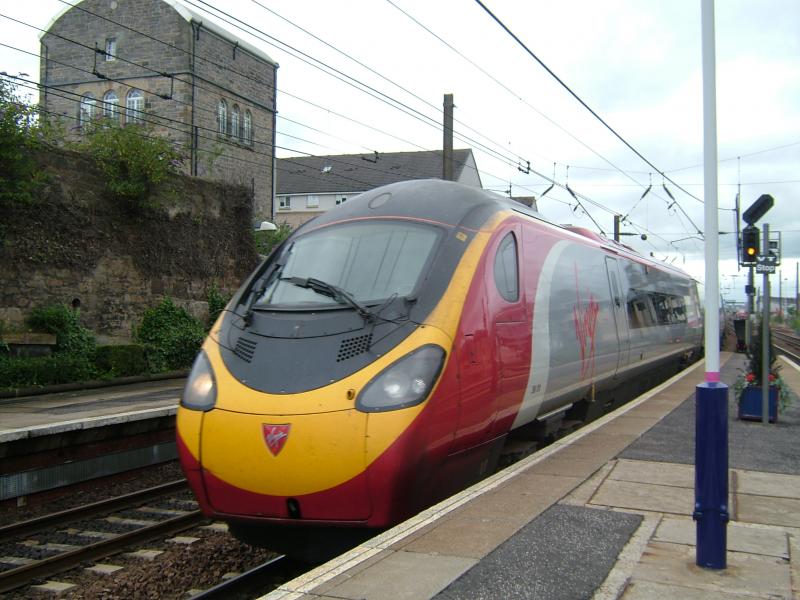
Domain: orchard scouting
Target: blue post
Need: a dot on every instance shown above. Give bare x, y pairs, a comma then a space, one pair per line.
711, 473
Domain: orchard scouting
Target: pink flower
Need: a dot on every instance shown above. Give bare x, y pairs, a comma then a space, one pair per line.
750, 377
772, 377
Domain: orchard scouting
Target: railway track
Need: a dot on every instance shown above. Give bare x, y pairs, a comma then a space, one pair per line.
787, 342
68, 556
256, 581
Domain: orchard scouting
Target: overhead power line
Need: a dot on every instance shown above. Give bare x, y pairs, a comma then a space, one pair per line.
586, 106
531, 106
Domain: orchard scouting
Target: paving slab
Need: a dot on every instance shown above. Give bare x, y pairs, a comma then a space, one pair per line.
645, 496
527, 495
768, 510
746, 574
582, 494
464, 536
390, 577
649, 590
768, 484
631, 424
660, 473
794, 566
740, 538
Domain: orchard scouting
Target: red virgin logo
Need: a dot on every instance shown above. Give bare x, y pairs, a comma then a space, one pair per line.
275, 436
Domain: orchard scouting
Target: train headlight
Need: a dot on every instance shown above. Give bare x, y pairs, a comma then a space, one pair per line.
405, 383
200, 392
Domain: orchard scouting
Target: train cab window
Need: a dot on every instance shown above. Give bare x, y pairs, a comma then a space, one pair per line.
369, 261
506, 273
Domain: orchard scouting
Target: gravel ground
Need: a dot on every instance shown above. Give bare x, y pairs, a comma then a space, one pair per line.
89, 492
169, 576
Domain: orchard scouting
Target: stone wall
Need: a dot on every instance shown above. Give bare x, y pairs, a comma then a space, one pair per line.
75, 242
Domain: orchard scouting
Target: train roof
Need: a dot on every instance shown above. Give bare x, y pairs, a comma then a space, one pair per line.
458, 205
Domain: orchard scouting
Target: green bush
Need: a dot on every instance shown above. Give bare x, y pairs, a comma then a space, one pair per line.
216, 303
172, 336
45, 370
267, 241
121, 361
133, 159
71, 337
19, 137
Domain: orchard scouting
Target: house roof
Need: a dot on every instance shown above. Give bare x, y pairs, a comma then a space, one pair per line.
189, 15
362, 172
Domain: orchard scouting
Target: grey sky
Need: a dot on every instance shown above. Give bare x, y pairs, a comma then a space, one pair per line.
636, 62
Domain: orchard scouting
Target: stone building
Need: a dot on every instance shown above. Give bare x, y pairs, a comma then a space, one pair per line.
309, 185
158, 63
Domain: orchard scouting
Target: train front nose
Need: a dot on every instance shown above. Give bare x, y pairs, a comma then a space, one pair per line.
279, 466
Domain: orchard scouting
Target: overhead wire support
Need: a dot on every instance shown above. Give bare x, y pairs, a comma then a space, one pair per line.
578, 98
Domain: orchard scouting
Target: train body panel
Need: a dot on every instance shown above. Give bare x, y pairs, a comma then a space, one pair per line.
454, 320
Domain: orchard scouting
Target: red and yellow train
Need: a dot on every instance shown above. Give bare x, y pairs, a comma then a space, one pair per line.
382, 356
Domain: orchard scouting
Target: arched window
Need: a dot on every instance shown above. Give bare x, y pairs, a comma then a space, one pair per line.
222, 117
111, 105
135, 107
235, 122
247, 128
86, 110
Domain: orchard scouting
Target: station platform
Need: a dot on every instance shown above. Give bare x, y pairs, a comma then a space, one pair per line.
50, 414
52, 440
603, 513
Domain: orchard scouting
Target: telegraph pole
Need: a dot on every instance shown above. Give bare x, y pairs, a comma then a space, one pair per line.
447, 154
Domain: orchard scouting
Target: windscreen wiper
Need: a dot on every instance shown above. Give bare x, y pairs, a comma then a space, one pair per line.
332, 291
257, 292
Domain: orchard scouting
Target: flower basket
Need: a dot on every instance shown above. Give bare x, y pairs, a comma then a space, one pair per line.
750, 403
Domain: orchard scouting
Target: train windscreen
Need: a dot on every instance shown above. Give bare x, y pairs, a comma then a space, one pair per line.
368, 261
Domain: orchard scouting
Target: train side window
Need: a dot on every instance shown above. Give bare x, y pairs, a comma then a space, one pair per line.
640, 310
506, 273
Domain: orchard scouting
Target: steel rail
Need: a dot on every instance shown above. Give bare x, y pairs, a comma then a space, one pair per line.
94, 509
255, 580
794, 357
23, 575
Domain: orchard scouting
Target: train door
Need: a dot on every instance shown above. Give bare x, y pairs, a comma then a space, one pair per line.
512, 330
618, 308
494, 346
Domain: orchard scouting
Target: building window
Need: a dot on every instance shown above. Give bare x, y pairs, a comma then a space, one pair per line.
135, 107
284, 203
312, 201
222, 117
86, 110
341, 199
111, 106
247, 128
111, 49
235, 122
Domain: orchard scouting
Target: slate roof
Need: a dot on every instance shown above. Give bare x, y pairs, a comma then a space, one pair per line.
361, 172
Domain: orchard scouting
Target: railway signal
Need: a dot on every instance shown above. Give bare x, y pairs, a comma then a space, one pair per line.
750, 239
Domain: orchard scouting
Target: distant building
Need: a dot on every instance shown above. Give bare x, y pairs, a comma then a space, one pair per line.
529, 201
157, 61
310, 185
